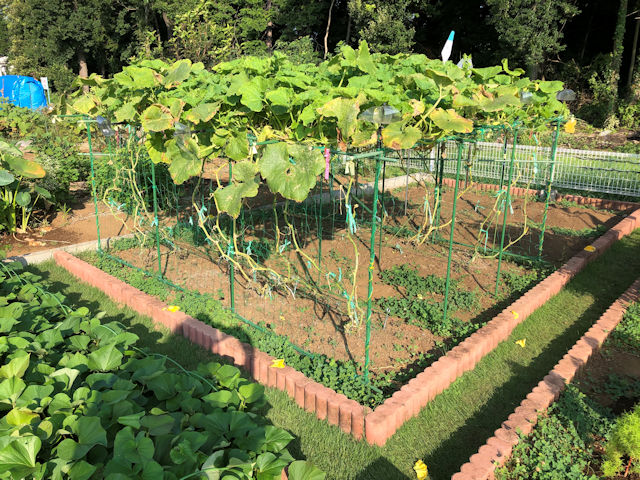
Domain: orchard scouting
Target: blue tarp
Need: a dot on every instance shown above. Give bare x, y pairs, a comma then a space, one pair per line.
23, 91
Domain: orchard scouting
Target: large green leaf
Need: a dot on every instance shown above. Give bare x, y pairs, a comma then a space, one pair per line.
451, 121
155, 119
23, 198
178, 73
90, 431
20, 417
291, 170
237, 147
70, 450
5, 178
229, 198
184, 161
10, 390
18, 456
202, 113
498, 103
251, 96
105, 358
16, 367
25, 168
346, 111
304, 470
398, 136
81, 470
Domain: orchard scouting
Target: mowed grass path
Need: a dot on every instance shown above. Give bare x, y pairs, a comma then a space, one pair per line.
457, 422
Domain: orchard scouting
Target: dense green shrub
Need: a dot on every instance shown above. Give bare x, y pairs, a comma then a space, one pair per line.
623, 448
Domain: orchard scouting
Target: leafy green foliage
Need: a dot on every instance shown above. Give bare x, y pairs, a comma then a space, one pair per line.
294, 107
17, 191
79, 400
624, 443
562, 444
421, 303
627, 334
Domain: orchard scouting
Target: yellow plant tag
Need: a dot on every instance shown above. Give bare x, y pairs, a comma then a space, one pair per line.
515, 314
278, 363
589, 248
421, 470
172, 308
570, 126
522, 343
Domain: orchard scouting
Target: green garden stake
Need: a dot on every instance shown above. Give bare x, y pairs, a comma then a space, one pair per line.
372, 259
93, 183
453, 224
232, 296
155, 216
554, 147
504, 212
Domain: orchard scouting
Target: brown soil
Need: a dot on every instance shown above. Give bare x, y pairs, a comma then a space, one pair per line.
606, 362
321, 325
60, 229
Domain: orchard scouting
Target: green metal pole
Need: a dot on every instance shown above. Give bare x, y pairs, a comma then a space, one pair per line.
453, 224
372, 258
554, 147
384, 172
155, 215
93, 184
232, 272
507, 202
320, 227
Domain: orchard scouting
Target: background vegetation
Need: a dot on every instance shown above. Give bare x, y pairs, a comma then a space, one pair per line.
590, 45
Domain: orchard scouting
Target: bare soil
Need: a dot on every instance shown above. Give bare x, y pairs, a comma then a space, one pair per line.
319, 323
58, 229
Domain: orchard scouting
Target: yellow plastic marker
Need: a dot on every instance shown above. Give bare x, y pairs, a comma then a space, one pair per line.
522, 342
172, 308
421, 470
515, 314
278, 363
570, 126
589, 248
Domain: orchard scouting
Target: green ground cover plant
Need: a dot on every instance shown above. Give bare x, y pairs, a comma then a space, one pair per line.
577, 438
421, 301
80, 400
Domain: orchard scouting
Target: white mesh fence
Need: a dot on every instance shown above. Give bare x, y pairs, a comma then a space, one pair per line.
583, 170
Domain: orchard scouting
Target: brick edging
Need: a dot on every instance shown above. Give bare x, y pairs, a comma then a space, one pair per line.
336, 408
497, 450
602, 203
404, 404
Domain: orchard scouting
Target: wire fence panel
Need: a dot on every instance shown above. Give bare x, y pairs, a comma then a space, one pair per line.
582, 170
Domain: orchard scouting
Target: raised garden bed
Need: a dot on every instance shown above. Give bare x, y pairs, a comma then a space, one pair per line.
386, 419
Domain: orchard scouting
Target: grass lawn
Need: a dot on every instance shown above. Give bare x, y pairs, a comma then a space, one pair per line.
454, 424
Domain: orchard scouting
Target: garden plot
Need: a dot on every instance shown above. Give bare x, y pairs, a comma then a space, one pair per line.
408, 328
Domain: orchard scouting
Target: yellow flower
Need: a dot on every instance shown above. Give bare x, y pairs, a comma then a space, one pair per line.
590, 248
515, 314
570, 126
278, 363
172, 308
522, 342
421, 470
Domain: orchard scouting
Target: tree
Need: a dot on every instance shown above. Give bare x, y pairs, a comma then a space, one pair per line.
532, 29
616, 54
386, 26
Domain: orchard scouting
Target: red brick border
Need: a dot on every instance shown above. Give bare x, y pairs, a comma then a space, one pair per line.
310, 395
378, 425
497, 450
521, 192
